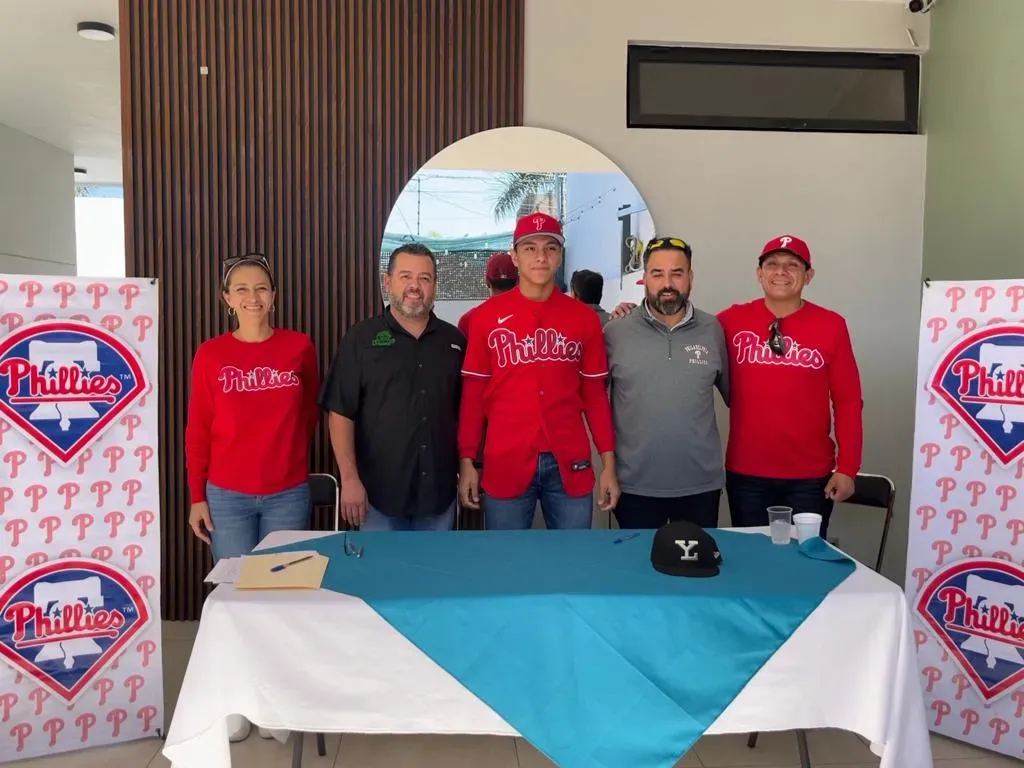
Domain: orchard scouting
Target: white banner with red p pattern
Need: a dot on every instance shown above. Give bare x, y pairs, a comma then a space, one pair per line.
965, 556
79, 514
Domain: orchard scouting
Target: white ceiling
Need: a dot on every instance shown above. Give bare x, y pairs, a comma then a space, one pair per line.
60, 88
63, 89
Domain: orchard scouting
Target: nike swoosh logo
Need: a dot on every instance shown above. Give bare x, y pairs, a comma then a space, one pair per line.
501, 320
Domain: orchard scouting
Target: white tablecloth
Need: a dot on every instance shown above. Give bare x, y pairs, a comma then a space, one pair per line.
325, 662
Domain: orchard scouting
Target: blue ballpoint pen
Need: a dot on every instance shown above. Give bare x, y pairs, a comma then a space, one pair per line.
282, 566
626, 538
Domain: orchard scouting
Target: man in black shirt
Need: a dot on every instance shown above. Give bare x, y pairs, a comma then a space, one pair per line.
393, 398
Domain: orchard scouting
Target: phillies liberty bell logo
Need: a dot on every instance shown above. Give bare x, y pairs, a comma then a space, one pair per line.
63, 622
63, 383
975, 609
980, 379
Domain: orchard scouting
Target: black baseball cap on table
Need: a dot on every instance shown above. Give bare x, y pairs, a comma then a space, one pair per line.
685, 549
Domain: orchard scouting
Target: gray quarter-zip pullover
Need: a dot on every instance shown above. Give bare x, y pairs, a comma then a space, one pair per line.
662, 392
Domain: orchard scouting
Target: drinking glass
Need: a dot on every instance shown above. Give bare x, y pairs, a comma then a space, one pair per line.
780, 524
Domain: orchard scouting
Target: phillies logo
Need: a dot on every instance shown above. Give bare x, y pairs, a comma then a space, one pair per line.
546, 345
258, 379
980, 379
63, 622
975, 608
64, 382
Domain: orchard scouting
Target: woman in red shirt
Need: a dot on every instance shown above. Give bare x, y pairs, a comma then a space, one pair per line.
251, 415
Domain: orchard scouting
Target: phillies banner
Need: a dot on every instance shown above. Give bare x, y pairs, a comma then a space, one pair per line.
965, 553
79, 502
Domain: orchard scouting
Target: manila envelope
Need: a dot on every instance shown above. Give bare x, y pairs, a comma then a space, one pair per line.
257, 573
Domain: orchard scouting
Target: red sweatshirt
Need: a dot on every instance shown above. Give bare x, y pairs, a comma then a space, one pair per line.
251, 414
780, 415
532, 369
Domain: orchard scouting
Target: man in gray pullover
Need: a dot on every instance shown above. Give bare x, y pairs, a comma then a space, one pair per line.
666, 359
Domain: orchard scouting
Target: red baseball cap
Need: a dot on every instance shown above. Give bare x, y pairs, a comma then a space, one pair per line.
787, 244
501, 267
537, 224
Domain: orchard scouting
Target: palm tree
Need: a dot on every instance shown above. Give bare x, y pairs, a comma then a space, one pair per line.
515, 188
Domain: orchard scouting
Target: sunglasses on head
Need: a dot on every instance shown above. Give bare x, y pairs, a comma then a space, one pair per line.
667, 242
234, 261
776, 342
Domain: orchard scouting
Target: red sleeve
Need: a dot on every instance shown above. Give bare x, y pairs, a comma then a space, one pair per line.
464, 323
476, 371
594, 372
311, 382
847, 403
197, 431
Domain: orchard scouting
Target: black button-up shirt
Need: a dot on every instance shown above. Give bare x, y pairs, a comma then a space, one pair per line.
402, 393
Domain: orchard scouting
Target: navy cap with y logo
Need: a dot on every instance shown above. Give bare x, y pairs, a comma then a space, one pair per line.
685, 549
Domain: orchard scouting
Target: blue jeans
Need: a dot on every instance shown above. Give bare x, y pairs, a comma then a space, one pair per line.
560, 510
241, 521
750, 497
378, 521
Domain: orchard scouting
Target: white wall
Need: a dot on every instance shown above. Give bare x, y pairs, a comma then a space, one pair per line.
857, 199
99, 223
37, 206
593, 231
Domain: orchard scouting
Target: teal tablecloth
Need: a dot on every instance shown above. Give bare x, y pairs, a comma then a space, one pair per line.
576, 641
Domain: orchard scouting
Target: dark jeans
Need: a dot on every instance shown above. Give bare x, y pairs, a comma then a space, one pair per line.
652, 512
750, 497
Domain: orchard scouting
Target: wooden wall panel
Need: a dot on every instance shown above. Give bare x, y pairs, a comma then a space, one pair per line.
287, 127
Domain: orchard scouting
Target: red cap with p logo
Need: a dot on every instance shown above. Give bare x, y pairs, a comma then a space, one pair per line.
537, 224
787, 244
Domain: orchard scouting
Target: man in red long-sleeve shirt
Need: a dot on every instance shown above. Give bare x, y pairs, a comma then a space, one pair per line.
535, 364
791, 366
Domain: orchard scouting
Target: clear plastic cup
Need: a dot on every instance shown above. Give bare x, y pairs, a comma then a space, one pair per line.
808, 525
780, 524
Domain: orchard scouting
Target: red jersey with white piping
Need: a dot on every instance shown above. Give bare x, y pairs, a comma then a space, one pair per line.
532, 370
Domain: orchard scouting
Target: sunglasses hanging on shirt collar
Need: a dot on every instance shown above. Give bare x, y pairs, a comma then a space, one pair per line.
776, 342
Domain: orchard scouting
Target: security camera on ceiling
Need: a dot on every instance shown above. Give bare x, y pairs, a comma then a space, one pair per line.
921, 6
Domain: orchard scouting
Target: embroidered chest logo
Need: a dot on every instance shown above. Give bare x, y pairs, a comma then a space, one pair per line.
545, 345
751, 349
383, 339
63, 622
699, 354
975, 609
980, 379
258, 379
64, 382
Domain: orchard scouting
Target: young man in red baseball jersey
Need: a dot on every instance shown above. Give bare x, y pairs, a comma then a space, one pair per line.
535, 364
501, 276
792, 366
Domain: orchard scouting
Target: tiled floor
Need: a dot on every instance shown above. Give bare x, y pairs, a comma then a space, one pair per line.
834, 749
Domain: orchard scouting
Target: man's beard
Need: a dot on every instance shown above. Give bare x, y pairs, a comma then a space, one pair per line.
670, 302
410, 310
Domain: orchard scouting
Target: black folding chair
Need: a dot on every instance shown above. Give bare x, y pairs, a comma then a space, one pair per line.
324, 491
878, 492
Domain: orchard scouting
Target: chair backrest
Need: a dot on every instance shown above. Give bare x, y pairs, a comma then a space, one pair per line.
879, 492
324, 491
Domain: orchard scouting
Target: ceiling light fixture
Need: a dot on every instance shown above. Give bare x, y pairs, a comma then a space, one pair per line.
96, 30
